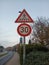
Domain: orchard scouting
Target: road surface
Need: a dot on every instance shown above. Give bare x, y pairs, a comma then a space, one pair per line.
14, 60
6, 57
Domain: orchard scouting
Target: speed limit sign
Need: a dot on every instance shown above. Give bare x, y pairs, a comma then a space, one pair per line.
24, 29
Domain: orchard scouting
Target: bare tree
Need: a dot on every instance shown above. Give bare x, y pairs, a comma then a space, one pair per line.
41, 30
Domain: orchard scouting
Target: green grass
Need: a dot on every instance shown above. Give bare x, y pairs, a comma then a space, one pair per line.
2, 54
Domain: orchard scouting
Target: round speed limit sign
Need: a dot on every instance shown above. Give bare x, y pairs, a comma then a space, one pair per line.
24, 29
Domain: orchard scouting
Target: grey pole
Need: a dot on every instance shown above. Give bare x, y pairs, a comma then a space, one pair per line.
24, 52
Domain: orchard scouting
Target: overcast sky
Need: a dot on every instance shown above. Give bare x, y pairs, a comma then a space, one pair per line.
9, 12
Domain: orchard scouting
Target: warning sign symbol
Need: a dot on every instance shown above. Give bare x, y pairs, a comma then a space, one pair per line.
24, 17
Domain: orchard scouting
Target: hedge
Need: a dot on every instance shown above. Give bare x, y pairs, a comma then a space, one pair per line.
29, 48
37, 58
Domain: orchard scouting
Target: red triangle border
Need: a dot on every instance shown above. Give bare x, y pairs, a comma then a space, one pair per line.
16, 21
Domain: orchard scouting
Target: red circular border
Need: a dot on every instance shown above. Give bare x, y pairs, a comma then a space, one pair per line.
23, 34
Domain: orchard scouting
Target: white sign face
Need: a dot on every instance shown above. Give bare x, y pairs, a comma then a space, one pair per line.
24, 17
24, 29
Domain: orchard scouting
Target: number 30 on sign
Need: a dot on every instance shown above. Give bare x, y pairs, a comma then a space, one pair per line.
24, 29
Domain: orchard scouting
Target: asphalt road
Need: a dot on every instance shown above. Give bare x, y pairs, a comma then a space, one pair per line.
5, 58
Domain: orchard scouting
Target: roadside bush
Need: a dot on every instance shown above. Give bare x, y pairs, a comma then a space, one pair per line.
37, 58
29, 48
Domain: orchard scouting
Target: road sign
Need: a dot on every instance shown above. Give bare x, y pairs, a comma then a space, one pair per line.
24, 29
24, 17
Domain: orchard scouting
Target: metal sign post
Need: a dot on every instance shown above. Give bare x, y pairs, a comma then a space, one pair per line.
23, 48
24, 51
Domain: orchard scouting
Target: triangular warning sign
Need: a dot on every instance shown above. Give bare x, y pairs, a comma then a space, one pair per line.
24, 17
